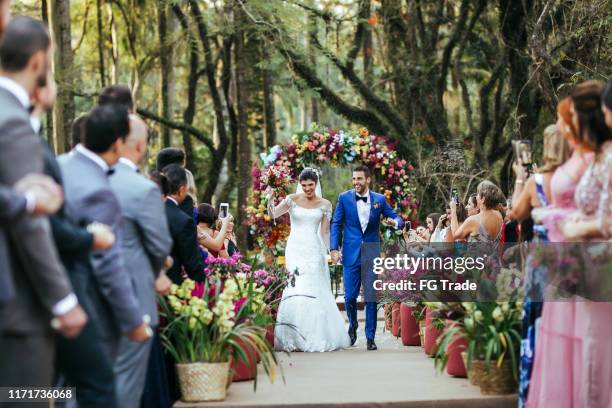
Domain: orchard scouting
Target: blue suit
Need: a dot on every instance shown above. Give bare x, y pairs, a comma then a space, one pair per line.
346, 232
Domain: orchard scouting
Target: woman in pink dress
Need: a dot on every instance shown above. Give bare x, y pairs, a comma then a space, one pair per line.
593, 222
553, 381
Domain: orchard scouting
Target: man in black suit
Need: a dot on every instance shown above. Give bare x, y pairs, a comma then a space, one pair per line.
41, 286
73, 242
185, 252
172, 155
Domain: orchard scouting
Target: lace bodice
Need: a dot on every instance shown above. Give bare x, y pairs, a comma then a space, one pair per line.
306, 222
593, 191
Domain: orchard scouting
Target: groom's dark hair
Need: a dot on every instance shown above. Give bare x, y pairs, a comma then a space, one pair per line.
365, 169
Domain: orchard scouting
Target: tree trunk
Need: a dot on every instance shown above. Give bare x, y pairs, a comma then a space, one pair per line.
244, 144
63, 110
313, 32
49, 118
101, 67
114, 42
268, 102
166, 69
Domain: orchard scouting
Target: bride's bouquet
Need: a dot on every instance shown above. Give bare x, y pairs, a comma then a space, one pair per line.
277, 178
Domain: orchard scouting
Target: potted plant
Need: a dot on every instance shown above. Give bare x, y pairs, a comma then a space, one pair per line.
203, 334
409, 327
433, 326
395, 319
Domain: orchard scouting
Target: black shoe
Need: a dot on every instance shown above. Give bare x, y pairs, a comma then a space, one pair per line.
352, 335
372, 345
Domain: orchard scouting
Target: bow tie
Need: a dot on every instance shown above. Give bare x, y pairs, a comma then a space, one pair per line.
110, 172
364, 199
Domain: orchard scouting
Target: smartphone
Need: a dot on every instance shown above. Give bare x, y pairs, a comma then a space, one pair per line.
523, 151
455, 195
407, 225
223, 210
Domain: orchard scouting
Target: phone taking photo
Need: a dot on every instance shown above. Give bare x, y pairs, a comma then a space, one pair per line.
455, 195
223, 210
407, 226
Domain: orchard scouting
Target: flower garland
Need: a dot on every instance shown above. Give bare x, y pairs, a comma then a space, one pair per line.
320, 146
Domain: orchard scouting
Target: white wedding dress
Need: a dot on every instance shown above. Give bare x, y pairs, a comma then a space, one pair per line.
308, 317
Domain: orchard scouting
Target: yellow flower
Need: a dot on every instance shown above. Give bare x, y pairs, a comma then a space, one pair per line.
363, 132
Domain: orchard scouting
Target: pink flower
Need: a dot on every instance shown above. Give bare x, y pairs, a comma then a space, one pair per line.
410, 168
238, 304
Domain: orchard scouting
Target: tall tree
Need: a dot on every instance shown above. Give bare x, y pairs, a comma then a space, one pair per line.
166, 67
63, 110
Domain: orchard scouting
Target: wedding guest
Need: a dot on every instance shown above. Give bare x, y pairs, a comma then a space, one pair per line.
431, 222
210, 239
172, 155
472, 206
560, 333
77, 130
486, 226
146, 243
102, 283
117, 95
458, 214
41, 288
533, 192
184, 251
230, 238
593, 222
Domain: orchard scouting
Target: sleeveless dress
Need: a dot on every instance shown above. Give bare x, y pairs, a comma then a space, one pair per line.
308, 318
532, 305
555, 379
594, 199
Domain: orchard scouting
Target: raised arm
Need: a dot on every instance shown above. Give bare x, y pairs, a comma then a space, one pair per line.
282, 208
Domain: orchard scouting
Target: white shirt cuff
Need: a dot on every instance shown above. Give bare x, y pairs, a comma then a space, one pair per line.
30, 202
65, 305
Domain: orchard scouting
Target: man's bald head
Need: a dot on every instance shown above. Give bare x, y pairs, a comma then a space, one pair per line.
135, 147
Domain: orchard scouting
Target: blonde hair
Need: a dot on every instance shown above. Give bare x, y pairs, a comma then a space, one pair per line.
491, 195
556, 150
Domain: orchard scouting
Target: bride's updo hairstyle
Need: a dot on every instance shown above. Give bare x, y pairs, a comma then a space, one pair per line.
309, 174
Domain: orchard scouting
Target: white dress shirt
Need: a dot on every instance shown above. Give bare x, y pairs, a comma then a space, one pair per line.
363, 209
129, 163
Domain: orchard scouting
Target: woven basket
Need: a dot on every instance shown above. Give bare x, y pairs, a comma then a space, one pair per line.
497, 381
476, 371
203, 381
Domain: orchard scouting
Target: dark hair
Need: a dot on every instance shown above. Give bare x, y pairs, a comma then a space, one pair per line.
364, 169
176, 177
170, 155
461, 212
473, 200
309, 174
103, 126
207, 214
606, 95
160, 179
592, 129
78, 129
435, 217
116, 95
23, 37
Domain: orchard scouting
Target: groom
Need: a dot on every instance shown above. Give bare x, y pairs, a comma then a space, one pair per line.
357, 220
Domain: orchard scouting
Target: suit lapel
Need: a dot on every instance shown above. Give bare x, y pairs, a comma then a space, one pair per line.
371, 218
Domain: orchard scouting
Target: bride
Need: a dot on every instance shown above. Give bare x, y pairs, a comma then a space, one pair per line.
308, 317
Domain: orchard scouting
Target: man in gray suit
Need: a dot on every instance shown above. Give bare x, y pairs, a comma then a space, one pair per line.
42, 289
146, 243
101, 282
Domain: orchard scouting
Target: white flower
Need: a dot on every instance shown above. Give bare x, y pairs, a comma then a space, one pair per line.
498, 314
478, 315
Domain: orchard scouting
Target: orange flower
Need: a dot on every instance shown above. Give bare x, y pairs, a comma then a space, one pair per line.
373, 20
363, 132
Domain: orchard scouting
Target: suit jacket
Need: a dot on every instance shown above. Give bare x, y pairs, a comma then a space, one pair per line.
145, 235
12, 206
73, 242
346, 228
40, 279
101, 282
185, 250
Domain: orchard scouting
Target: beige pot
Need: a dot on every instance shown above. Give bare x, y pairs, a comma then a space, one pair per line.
203, 381
496, 380
476, 372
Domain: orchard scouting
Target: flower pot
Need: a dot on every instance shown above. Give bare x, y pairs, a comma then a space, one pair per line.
245, 371
458, 344
395, 319
476, 371
410, 328
431, 334
422, 333
496, 380
203, 381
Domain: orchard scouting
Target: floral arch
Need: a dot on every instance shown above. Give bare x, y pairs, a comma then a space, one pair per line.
280, 166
